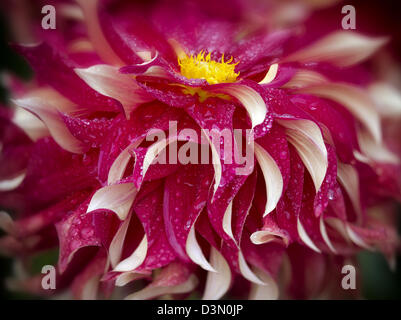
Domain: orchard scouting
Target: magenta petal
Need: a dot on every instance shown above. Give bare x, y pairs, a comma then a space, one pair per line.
90, 131
75, 231
16, 147
240, 210
174, 274
284, 74
241, 205
326, 191
289, 206
51, 178
171, 95
341, 129
263, 128
275, 143
57, 71
82, 286
185, 195
337, 207
267, 257
128, 31
38, 221
281, 105
309, 272
150, 212
198, 25
105, 224
264, 50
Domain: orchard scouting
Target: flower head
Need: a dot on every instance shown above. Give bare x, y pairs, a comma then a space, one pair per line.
86, 174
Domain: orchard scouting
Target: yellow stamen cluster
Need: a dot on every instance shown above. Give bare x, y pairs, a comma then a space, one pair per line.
203, 67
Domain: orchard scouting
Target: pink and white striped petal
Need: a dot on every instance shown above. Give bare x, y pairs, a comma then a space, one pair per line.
270, 74
103, 49
195, 253
372, 151
305, 237
117, 198
273, 178
249, 98
341, 48
108, 81
357, 101
269, 291
387, 99
305, 78
30, 124
116, 245
307, 139
348, 177
217, 283
47, 110
119, 165
13, 183
135, 259
155, 291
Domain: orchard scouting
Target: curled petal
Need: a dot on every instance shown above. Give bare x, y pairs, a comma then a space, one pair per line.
355, 100
341, 48
272, 176
269, 291
173, 279
135, 259
117, 198
307, 138
348, 177
51, 117
387, 99
89, 8
6, 222
373, 151
117, 243
270, 74
75, 232
127, 277
305, 78
355, 238
31, 125
217, 283
216, 163
325, 236
119, 165
249, 98
110, 82
265, 236
246, 272
153, 292
195, 253
154, 151
13, 183
227, 218
305, 237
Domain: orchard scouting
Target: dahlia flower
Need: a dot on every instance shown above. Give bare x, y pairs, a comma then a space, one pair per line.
80, 174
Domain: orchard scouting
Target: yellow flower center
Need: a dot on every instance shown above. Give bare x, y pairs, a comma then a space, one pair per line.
203, 67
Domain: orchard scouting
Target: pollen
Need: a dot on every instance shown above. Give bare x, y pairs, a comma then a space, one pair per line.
203, 67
